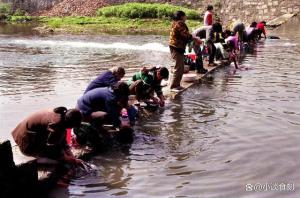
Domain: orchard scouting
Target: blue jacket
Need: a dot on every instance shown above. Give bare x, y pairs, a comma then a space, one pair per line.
100, 99
105, 79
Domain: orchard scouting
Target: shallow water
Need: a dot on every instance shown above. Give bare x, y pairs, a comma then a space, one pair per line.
237, 128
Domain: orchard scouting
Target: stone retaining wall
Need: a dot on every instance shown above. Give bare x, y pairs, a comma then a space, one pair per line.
257, 10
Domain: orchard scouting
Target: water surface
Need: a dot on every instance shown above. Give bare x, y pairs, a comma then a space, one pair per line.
237, 128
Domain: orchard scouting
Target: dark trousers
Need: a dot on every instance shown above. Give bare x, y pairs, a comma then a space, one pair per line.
178, 69
212, 52
199, 60
141, 90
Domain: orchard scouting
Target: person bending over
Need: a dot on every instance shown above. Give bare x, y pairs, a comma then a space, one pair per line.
239, 27
261, 29
107, 78
43, 133
231, 46
104, 104
252, 32
147, 81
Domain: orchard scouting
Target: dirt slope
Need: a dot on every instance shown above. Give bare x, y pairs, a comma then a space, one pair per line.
74, 8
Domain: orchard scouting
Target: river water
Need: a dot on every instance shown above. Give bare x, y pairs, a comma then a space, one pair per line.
221, 138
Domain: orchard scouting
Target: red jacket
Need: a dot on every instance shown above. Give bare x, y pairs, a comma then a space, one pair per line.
208, 18
261, 27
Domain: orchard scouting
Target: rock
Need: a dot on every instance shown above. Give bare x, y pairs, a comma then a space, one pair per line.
280, 20
6, 156
44, 30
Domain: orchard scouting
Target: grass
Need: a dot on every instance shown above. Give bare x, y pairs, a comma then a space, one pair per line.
152, 18
145, 10
5, 9
111, 24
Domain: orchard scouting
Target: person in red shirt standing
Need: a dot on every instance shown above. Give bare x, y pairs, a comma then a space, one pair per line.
208, 16
261, 29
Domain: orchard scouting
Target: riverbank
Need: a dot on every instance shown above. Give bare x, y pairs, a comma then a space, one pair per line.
139, 18
98, 25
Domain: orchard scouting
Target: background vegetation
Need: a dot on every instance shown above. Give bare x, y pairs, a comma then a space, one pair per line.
145, 10
127, 18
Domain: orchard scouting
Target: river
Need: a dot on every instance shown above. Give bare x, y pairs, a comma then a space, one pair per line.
221, 138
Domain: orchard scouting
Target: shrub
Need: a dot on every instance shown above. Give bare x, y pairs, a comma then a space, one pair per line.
145, 10
5, 9
19, 12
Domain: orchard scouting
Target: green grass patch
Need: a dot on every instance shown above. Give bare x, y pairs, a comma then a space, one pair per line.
21, 19
76, 24
98, 25
145, 10
5, 9
127, 18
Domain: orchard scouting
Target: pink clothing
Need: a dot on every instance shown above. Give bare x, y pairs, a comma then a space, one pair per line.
235, 41
208, 18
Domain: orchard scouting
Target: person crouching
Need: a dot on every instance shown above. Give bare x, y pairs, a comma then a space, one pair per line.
144, 83
43, 133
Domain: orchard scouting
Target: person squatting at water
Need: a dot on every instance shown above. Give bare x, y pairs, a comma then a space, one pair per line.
107, 78
239, 29
144, 83
252, 33
261, 29
179, 38
43, 134
201, 33
232, 46
198, 64
104, 104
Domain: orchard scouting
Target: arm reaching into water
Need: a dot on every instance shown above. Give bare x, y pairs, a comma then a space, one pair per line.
69, 157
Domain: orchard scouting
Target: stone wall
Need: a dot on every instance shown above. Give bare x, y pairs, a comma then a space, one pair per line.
257, 10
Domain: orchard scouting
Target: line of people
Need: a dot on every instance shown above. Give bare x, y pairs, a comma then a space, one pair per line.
106, 98
43, 134
209, 40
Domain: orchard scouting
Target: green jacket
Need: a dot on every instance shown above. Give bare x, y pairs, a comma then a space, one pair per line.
149, 79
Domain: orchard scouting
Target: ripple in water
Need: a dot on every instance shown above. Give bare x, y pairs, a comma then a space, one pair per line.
237, 127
